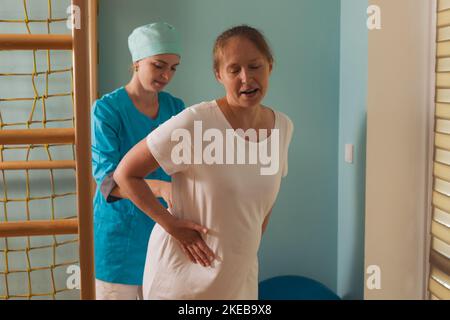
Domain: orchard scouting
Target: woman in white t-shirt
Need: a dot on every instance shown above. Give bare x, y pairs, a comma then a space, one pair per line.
226, 158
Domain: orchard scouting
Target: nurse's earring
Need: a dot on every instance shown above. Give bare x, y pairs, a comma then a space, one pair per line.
136, 68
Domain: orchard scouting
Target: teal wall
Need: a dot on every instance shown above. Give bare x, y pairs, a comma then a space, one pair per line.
305, 35
352, 130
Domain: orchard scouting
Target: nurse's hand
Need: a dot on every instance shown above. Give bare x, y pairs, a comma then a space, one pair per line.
188, 234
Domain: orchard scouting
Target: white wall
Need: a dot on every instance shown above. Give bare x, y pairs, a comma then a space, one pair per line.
399, 109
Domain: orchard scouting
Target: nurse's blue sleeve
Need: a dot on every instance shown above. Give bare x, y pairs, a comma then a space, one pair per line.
106, 128
180, 106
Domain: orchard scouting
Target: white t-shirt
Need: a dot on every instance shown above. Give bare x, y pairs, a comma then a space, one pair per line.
229, 199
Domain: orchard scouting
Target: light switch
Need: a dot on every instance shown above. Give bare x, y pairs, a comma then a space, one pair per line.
349, 153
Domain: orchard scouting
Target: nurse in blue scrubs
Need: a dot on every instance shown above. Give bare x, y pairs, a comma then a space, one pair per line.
121, 119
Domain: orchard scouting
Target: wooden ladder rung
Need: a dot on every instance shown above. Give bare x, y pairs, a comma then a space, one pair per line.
38, 228
36, 41
37, 165
37, 136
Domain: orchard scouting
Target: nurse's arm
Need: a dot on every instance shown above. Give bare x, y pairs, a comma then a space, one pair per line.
129, 176
266, 222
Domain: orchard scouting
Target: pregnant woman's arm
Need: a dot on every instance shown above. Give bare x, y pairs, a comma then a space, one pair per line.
129, 176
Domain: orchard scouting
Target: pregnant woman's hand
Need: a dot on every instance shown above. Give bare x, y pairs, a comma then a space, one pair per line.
188, 233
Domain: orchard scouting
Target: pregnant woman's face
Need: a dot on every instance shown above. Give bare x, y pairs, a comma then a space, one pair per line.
244, 72
156, 72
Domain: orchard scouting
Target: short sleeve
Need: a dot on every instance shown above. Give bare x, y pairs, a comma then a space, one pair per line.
171, 143
288, 138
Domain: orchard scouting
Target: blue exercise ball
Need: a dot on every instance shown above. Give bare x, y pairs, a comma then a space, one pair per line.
294, 288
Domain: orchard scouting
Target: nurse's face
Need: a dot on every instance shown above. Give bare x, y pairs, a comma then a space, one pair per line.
155, 72
244, 72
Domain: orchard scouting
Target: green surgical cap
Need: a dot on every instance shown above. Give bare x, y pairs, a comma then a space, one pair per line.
152, 39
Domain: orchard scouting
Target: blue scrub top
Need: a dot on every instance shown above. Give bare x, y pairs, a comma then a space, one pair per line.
121, 230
